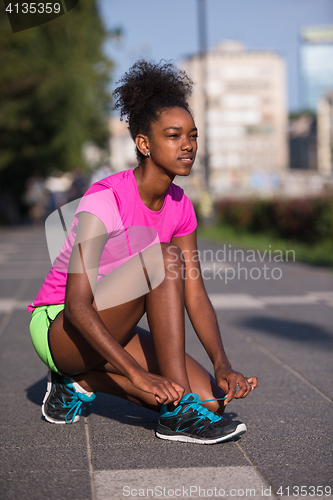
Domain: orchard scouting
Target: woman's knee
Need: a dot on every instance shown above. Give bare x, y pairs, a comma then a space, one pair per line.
174, 262
163, 260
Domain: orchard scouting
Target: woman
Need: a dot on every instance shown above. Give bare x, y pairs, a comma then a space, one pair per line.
132, 250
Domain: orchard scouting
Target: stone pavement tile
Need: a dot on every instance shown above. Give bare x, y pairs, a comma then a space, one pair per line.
106, 407
45, 485
56, 459
315, 474
22, 424
196, 482
298, 435
23, 372
318, 315
309, 420
302, 346
275, 383
8, 288
164, 454
301, 418
114, 433
35, 261
32, 274
279, 452
20, 366
303, 326
34, 287
17, 331
24, 375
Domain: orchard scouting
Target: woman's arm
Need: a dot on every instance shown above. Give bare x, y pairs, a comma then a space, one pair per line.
81, 280
203, 319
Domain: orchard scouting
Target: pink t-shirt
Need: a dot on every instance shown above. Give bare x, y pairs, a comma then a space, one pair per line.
131, 227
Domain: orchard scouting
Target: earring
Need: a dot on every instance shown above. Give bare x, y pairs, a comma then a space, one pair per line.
147, 154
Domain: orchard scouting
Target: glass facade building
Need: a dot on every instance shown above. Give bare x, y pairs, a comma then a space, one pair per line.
316, 61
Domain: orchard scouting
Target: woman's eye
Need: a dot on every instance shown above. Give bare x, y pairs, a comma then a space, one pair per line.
173, 135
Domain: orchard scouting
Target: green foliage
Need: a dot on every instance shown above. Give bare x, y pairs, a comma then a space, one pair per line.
320, 253
298, 220
53, 93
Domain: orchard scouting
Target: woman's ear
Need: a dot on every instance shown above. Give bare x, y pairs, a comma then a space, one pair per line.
142, 143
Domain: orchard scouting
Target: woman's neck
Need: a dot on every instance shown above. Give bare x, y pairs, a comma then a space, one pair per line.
152, 185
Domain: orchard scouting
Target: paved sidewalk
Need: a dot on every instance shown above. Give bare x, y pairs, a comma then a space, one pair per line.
278, 329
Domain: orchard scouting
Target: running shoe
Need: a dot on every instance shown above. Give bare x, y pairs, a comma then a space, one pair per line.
62, 404
193, 423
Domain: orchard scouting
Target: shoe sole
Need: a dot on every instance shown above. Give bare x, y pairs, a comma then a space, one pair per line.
240, 429
49, 419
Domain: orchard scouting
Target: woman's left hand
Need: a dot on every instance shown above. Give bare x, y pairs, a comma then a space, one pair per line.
228, 380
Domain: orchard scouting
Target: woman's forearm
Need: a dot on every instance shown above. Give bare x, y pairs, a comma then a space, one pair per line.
203, 319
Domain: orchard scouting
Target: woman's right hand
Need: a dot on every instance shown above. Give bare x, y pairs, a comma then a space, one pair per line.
165, 390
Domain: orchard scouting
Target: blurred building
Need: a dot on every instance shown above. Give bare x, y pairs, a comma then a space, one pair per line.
325, 134
122, 147
303, 142
246, 118
316, 64
247, 130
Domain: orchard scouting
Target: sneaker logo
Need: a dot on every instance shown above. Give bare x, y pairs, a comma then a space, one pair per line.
187, 424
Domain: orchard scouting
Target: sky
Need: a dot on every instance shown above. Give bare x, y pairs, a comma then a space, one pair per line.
168, 29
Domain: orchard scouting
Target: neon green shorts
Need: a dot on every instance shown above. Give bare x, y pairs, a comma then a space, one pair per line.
40, 323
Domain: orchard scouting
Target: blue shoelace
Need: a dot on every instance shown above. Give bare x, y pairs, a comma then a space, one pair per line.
77, 407
202, 410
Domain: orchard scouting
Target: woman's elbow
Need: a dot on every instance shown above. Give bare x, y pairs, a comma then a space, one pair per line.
73, 310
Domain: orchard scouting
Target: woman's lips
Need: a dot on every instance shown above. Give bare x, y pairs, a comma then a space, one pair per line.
186, 159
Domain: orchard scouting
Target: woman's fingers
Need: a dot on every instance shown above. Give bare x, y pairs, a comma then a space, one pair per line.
180, 391
246, 385
253, 381
244, 388
165, 393
165, 390
232, 387
173, 391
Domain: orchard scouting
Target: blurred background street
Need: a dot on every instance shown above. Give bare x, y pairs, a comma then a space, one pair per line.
262, 101
262, 184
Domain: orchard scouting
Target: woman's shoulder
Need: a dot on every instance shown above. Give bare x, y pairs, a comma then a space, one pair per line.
112, 181
177, 195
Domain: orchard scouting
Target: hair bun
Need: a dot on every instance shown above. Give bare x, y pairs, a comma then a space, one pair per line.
145, 81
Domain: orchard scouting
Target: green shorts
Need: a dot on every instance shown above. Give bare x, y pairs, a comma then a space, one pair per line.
40, 324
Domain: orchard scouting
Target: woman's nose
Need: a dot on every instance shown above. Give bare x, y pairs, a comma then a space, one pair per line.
187, 144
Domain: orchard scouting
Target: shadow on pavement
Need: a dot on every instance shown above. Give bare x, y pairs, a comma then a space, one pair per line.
107, 406
36, 392
288, 329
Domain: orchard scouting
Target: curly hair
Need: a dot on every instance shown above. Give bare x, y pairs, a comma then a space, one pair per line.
146, 89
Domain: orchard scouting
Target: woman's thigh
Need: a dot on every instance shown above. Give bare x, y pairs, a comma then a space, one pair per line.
73, 354
119, 300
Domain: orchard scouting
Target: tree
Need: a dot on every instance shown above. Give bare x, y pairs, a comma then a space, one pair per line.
53, 94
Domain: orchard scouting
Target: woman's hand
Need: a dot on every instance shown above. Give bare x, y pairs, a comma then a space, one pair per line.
165, 390
228, 380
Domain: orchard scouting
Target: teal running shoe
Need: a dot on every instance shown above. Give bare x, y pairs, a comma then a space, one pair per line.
62, 404
191, 422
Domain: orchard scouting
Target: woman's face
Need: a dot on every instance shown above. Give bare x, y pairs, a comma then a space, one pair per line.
173, 141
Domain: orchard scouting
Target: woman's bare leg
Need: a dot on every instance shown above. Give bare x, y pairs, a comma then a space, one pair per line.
165, 312
104, 378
